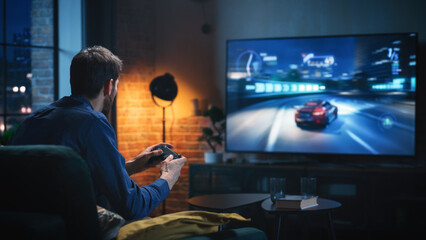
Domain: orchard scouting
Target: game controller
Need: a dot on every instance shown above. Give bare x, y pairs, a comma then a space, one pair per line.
166, 152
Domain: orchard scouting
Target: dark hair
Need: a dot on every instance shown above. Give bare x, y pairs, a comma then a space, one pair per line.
91, 68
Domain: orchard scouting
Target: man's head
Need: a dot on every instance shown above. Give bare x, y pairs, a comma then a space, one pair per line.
91, 69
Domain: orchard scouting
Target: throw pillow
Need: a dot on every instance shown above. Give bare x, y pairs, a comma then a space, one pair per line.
177, 225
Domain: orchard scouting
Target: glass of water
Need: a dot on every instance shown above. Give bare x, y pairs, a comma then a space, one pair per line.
308, 186
276, 188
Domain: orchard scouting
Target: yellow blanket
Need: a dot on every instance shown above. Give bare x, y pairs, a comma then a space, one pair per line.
177, 225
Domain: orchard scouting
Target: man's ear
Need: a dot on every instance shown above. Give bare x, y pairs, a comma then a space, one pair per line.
108, 85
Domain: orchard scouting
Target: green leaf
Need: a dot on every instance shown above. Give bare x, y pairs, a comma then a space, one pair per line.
7, 136
217, 139
215, 114
207, 132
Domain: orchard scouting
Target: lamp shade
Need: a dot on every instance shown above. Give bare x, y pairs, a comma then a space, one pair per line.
164, 87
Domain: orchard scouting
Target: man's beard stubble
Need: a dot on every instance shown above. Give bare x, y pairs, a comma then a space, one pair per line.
107, 107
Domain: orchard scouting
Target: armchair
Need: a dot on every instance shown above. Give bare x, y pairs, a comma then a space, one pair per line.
47, 193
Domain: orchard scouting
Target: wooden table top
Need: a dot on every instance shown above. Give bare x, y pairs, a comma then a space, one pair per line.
226, 201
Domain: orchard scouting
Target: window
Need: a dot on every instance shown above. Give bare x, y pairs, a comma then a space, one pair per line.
28, 58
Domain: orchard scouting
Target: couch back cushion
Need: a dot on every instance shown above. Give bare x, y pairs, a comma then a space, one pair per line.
49, 179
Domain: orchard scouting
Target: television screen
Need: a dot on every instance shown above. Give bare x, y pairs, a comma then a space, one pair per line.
322, 95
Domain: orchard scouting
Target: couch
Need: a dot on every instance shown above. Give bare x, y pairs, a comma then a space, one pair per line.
47, 193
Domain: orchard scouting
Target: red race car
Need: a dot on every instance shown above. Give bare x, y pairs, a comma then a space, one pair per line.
318, 112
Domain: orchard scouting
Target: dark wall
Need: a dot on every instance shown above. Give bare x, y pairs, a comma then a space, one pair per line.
241, 19
99, 23
99, 28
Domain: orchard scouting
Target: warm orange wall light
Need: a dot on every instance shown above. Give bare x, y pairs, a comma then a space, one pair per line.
139, 124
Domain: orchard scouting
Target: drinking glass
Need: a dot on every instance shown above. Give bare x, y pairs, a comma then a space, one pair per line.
276, 188
308, 186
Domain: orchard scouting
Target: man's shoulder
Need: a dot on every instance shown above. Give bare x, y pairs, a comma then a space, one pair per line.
76, 106
69, 112
88, 117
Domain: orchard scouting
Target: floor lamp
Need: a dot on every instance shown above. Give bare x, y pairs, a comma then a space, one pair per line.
163, 87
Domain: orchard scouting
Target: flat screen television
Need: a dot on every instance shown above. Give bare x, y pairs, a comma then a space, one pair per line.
350, 95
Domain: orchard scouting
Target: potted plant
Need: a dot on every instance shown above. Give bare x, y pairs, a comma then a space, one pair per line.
214, 134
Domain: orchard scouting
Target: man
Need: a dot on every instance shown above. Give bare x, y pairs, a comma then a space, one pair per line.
79, 121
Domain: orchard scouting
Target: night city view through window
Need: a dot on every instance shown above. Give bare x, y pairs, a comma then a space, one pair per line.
27, 53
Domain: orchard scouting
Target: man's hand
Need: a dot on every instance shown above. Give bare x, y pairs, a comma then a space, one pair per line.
170, 169
140, 162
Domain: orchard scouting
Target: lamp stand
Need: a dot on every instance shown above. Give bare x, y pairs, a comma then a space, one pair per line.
164, 137
163, 87
164, 124
164, 140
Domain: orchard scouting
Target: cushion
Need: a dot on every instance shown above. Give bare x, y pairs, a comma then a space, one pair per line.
109, 222
177, 225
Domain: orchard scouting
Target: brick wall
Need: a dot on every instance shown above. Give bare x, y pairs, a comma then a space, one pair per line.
139, 120
42, 59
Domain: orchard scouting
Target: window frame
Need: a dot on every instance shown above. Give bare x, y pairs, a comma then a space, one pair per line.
4, 45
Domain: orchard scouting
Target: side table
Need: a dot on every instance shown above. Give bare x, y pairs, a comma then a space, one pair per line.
324, 206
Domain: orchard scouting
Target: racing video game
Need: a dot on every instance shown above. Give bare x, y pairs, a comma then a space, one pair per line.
322, 95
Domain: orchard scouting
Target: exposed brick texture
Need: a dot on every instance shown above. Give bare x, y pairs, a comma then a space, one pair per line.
42, 59
139, 120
